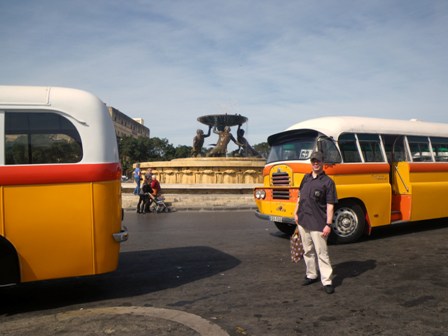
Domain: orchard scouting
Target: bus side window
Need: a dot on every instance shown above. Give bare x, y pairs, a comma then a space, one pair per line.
39, 138
394, 147
348, 147
371, 147
440, 149
419, 147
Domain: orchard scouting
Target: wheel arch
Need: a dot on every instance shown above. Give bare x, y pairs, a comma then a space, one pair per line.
359, 202
350, 221
9, 263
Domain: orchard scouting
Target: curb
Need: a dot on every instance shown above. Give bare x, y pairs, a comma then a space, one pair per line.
197, 202
211, 208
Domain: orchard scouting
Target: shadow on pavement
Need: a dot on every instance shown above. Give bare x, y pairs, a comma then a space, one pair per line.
392, 230
139, 272
351, 269
407, 228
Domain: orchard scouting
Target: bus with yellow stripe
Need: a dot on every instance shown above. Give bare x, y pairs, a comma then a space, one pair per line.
386, 171
60, 185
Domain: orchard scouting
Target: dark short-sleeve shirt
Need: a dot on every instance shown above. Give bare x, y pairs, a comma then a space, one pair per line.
315, 194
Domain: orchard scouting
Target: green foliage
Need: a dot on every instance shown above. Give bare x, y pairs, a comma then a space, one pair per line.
262, 148
183, 151
143, 149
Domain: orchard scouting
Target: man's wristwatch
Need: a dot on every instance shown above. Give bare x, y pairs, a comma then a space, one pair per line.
328, 225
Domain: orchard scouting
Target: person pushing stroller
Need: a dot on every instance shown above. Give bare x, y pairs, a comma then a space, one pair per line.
156, 195
145, 197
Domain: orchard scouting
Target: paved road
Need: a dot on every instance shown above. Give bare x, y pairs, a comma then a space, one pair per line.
218, 273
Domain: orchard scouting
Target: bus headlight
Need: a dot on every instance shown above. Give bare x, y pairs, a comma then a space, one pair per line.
260, 194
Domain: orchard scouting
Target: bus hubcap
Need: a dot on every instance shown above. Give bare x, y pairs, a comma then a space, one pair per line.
345, 222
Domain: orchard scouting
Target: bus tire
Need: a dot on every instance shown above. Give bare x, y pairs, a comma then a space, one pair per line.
286, 228
9, 263
349, 223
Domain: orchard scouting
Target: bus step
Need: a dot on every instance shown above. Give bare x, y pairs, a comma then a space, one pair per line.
395, 216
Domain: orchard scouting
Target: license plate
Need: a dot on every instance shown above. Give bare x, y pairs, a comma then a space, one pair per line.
276, 219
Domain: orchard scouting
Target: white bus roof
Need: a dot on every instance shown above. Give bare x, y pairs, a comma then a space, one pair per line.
334, 126
87, 112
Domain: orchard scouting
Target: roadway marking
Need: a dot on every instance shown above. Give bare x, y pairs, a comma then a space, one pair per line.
195, 322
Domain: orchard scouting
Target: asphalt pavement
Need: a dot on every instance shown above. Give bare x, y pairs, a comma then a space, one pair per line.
217, 273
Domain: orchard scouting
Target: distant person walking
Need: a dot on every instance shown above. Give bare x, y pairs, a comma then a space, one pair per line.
137, 178
314, 216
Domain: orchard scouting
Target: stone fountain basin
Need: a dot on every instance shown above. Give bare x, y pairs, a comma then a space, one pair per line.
222, 120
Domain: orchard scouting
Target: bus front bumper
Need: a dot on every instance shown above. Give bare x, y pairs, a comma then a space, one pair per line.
121, 236
278, 219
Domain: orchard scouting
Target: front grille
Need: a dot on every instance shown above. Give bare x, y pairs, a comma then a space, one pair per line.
282, 194
280, 179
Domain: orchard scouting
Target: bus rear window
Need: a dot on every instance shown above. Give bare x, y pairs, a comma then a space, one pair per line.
40, 138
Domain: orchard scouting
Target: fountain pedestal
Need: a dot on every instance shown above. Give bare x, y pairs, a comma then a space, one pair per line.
208, 171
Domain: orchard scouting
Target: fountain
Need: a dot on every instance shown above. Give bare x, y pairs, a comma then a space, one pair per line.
239, 169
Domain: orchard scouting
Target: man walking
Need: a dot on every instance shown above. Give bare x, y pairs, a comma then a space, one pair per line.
137, 179
314, 216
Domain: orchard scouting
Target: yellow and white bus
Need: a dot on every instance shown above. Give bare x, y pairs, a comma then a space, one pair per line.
386, 171
60, 185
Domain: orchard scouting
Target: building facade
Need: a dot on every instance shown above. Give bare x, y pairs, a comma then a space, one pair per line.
126, 126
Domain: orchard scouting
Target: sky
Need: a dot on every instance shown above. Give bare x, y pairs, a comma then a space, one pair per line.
276, 62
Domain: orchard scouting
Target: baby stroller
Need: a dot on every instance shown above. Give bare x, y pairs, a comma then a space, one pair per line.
158, 204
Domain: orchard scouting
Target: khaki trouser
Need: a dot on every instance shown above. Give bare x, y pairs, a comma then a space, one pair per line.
316, 255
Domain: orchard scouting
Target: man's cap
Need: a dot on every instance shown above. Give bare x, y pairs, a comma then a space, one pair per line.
316, 156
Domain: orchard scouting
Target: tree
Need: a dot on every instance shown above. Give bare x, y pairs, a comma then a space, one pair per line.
127, 148
143, 149
262, 148
160, 150
183, 151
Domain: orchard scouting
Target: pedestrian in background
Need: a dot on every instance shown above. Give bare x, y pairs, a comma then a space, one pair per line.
314, 216
143, 202
137, 178
155, 186
148, 173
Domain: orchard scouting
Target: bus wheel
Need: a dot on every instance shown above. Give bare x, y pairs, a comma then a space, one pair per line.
286, 228
348, 223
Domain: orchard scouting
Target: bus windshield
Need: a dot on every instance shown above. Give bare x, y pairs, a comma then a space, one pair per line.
297, 149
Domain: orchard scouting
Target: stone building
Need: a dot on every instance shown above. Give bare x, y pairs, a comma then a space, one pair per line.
127, 126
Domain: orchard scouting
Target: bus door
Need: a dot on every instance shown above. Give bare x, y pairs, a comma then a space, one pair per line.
400, 179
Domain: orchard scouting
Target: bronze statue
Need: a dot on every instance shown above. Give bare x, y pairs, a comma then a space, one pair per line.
244, 148
221, 125
224, 138
198, 142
